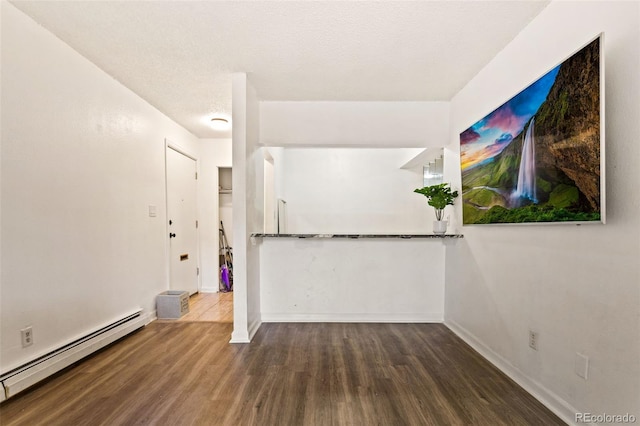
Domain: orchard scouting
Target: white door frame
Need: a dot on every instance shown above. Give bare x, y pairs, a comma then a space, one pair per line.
178, 148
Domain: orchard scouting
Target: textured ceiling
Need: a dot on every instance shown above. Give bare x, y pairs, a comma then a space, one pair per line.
179, 55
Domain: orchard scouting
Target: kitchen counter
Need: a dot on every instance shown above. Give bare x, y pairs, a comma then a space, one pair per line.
356, 236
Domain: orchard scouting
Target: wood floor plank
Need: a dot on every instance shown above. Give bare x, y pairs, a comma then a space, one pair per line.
186, 373
208, 307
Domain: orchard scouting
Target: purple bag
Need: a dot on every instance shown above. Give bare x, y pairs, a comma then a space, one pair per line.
224, 275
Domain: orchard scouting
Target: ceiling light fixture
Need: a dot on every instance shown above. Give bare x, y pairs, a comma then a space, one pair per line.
219, 123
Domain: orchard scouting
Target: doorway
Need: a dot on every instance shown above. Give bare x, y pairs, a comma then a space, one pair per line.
218, 307
225, 228
181, 175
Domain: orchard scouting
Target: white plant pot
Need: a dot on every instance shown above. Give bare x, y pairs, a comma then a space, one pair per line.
440, 226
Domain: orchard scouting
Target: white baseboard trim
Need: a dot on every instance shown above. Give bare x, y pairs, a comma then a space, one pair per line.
253, 328
239, 337
21, 378
242, 336
553, 402
349, 317
209, 290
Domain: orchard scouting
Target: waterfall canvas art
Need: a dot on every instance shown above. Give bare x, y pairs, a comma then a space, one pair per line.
539, 157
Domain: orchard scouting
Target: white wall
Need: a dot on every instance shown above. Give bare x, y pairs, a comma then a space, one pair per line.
269, 195
352, 280
82, 160
214, 153
248, 205
255, 207
353, 190
357, 124
577, 286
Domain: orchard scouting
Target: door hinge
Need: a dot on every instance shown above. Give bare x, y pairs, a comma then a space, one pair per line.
198, 271
196, 224
196, 175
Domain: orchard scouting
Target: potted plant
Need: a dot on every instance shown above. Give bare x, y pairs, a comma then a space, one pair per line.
438, 196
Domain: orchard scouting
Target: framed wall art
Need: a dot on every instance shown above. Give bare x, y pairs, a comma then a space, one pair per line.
539, 157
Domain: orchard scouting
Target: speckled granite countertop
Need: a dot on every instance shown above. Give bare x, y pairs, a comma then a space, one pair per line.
356, 236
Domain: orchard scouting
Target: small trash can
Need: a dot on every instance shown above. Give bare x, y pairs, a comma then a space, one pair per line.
172, 304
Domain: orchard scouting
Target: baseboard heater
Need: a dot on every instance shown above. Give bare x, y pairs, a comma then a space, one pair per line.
31, 373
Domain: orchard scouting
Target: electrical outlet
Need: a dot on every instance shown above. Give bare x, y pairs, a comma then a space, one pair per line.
27, 336
533, 340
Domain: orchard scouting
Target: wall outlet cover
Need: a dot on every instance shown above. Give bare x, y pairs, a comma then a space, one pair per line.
27, 336
581, 367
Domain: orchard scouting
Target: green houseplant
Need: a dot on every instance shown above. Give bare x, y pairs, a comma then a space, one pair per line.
438, 196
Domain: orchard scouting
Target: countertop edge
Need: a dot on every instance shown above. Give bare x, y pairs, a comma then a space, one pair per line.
356, 236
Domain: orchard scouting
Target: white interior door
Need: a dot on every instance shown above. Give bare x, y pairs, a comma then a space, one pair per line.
181, 213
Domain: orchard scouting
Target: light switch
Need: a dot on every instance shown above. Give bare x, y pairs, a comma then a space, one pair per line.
581, 367
152, 211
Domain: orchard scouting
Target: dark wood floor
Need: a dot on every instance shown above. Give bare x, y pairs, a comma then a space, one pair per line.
185, 373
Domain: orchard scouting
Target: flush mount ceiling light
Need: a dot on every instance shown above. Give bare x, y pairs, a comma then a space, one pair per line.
219, 123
